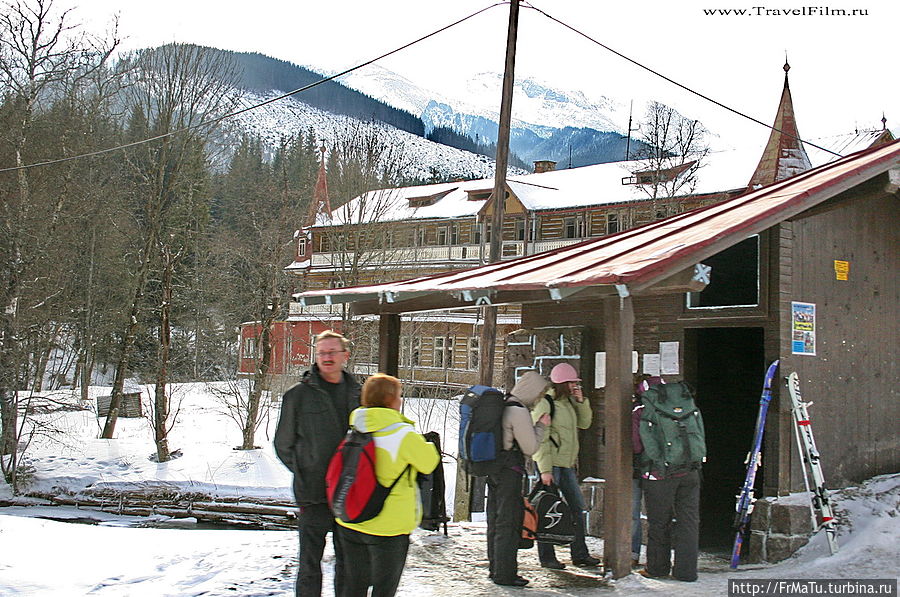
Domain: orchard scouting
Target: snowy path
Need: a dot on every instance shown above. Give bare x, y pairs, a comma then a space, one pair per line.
66, 560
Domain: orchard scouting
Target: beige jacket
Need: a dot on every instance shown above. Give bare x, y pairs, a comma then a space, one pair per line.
517, 425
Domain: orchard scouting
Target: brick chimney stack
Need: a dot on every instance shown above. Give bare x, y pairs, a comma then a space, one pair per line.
541, 166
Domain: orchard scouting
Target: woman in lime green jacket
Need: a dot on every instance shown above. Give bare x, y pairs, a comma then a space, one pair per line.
375, 550
557, 457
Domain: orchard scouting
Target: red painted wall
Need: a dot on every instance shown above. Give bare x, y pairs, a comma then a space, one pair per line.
290, 345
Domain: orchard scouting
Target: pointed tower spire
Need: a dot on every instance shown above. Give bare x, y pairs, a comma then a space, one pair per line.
320, 203
784, 155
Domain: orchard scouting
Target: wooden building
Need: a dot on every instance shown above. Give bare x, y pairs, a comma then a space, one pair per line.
395, 234
401, 233
803, 270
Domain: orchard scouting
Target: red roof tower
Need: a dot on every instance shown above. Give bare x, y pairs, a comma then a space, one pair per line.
784, 155
320, 203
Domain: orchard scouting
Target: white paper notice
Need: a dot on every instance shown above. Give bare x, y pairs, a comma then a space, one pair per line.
668, 354
599, 369
634, 361
651, 364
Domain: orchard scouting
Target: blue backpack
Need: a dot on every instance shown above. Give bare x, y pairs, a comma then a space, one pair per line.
481, 429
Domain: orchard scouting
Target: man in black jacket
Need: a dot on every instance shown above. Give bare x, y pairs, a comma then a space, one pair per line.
314, 419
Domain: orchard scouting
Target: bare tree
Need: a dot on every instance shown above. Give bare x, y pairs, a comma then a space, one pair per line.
42, 60
674, 152
256, 243
365, 168
177, 88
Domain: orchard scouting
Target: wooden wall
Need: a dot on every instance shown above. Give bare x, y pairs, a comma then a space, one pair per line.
853, 377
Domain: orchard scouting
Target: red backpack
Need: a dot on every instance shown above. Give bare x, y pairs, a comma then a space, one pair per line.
353, 491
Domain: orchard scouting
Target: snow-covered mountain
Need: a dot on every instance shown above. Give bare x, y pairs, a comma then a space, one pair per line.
535, 104
290, 116
547, 123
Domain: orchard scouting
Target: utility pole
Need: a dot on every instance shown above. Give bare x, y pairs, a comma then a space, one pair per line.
489, 313
472, 494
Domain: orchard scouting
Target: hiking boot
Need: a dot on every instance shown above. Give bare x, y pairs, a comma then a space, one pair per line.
588, 562
643, 572
554, 565
516, 582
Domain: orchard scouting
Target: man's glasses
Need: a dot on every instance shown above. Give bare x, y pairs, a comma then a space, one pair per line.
329, 353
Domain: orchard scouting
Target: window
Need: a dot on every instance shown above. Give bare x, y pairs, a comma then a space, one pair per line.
389, 238
301, 247
249, 348
443, 235
411, 349
487, 232
454, 234
476, 234
520, 230
734, 281
443, 352
612, 223
419, 238
573, 226
474, 354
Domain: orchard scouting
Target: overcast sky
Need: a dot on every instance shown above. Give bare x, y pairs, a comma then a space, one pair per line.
843, 75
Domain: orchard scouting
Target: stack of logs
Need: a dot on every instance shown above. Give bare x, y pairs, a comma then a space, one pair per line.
257, 512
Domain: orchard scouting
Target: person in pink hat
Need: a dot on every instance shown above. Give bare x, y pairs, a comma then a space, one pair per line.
558, 454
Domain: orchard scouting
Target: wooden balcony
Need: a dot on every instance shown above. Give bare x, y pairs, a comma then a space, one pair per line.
430, 255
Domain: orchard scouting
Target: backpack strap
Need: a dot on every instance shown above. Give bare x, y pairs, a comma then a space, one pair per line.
552, 402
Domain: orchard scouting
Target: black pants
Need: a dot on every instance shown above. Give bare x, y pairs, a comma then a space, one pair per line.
314, 523
665, 498
372, 561
505, 510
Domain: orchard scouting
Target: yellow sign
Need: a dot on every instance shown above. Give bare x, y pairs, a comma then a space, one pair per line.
841, 270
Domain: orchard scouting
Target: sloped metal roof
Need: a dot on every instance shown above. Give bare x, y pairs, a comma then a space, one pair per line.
632, 260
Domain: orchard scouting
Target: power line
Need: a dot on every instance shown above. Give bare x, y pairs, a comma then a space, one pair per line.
672, 81
254, 106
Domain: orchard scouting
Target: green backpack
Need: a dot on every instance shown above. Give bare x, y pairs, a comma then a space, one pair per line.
671, 430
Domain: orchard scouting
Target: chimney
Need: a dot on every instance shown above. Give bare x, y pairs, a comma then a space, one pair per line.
541, 166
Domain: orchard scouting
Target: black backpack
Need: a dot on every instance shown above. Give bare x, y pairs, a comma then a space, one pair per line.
431, 492
671, 430
481, 429
555, 523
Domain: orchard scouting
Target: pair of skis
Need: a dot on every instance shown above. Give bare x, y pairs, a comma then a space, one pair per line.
745, 498
809, 455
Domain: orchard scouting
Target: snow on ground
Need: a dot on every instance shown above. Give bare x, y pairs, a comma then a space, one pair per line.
121, 556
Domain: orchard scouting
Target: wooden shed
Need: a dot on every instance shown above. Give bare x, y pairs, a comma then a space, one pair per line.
803, 270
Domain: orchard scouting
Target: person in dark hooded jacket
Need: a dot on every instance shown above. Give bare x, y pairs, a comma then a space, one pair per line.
314, 419
505, 507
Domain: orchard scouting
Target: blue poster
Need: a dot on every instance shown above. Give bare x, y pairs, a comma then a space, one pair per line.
803, 328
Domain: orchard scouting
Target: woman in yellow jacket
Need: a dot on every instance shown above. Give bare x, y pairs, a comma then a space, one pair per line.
375, 550
557, 457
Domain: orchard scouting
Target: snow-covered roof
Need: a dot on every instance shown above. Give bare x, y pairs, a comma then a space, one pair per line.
639, 257
572, 188
845, 144
558, 189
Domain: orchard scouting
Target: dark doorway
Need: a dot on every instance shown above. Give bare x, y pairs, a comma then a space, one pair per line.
726, 368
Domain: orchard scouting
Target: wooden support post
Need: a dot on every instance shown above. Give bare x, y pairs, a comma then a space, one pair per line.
487, 344
389, 344
619, 326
